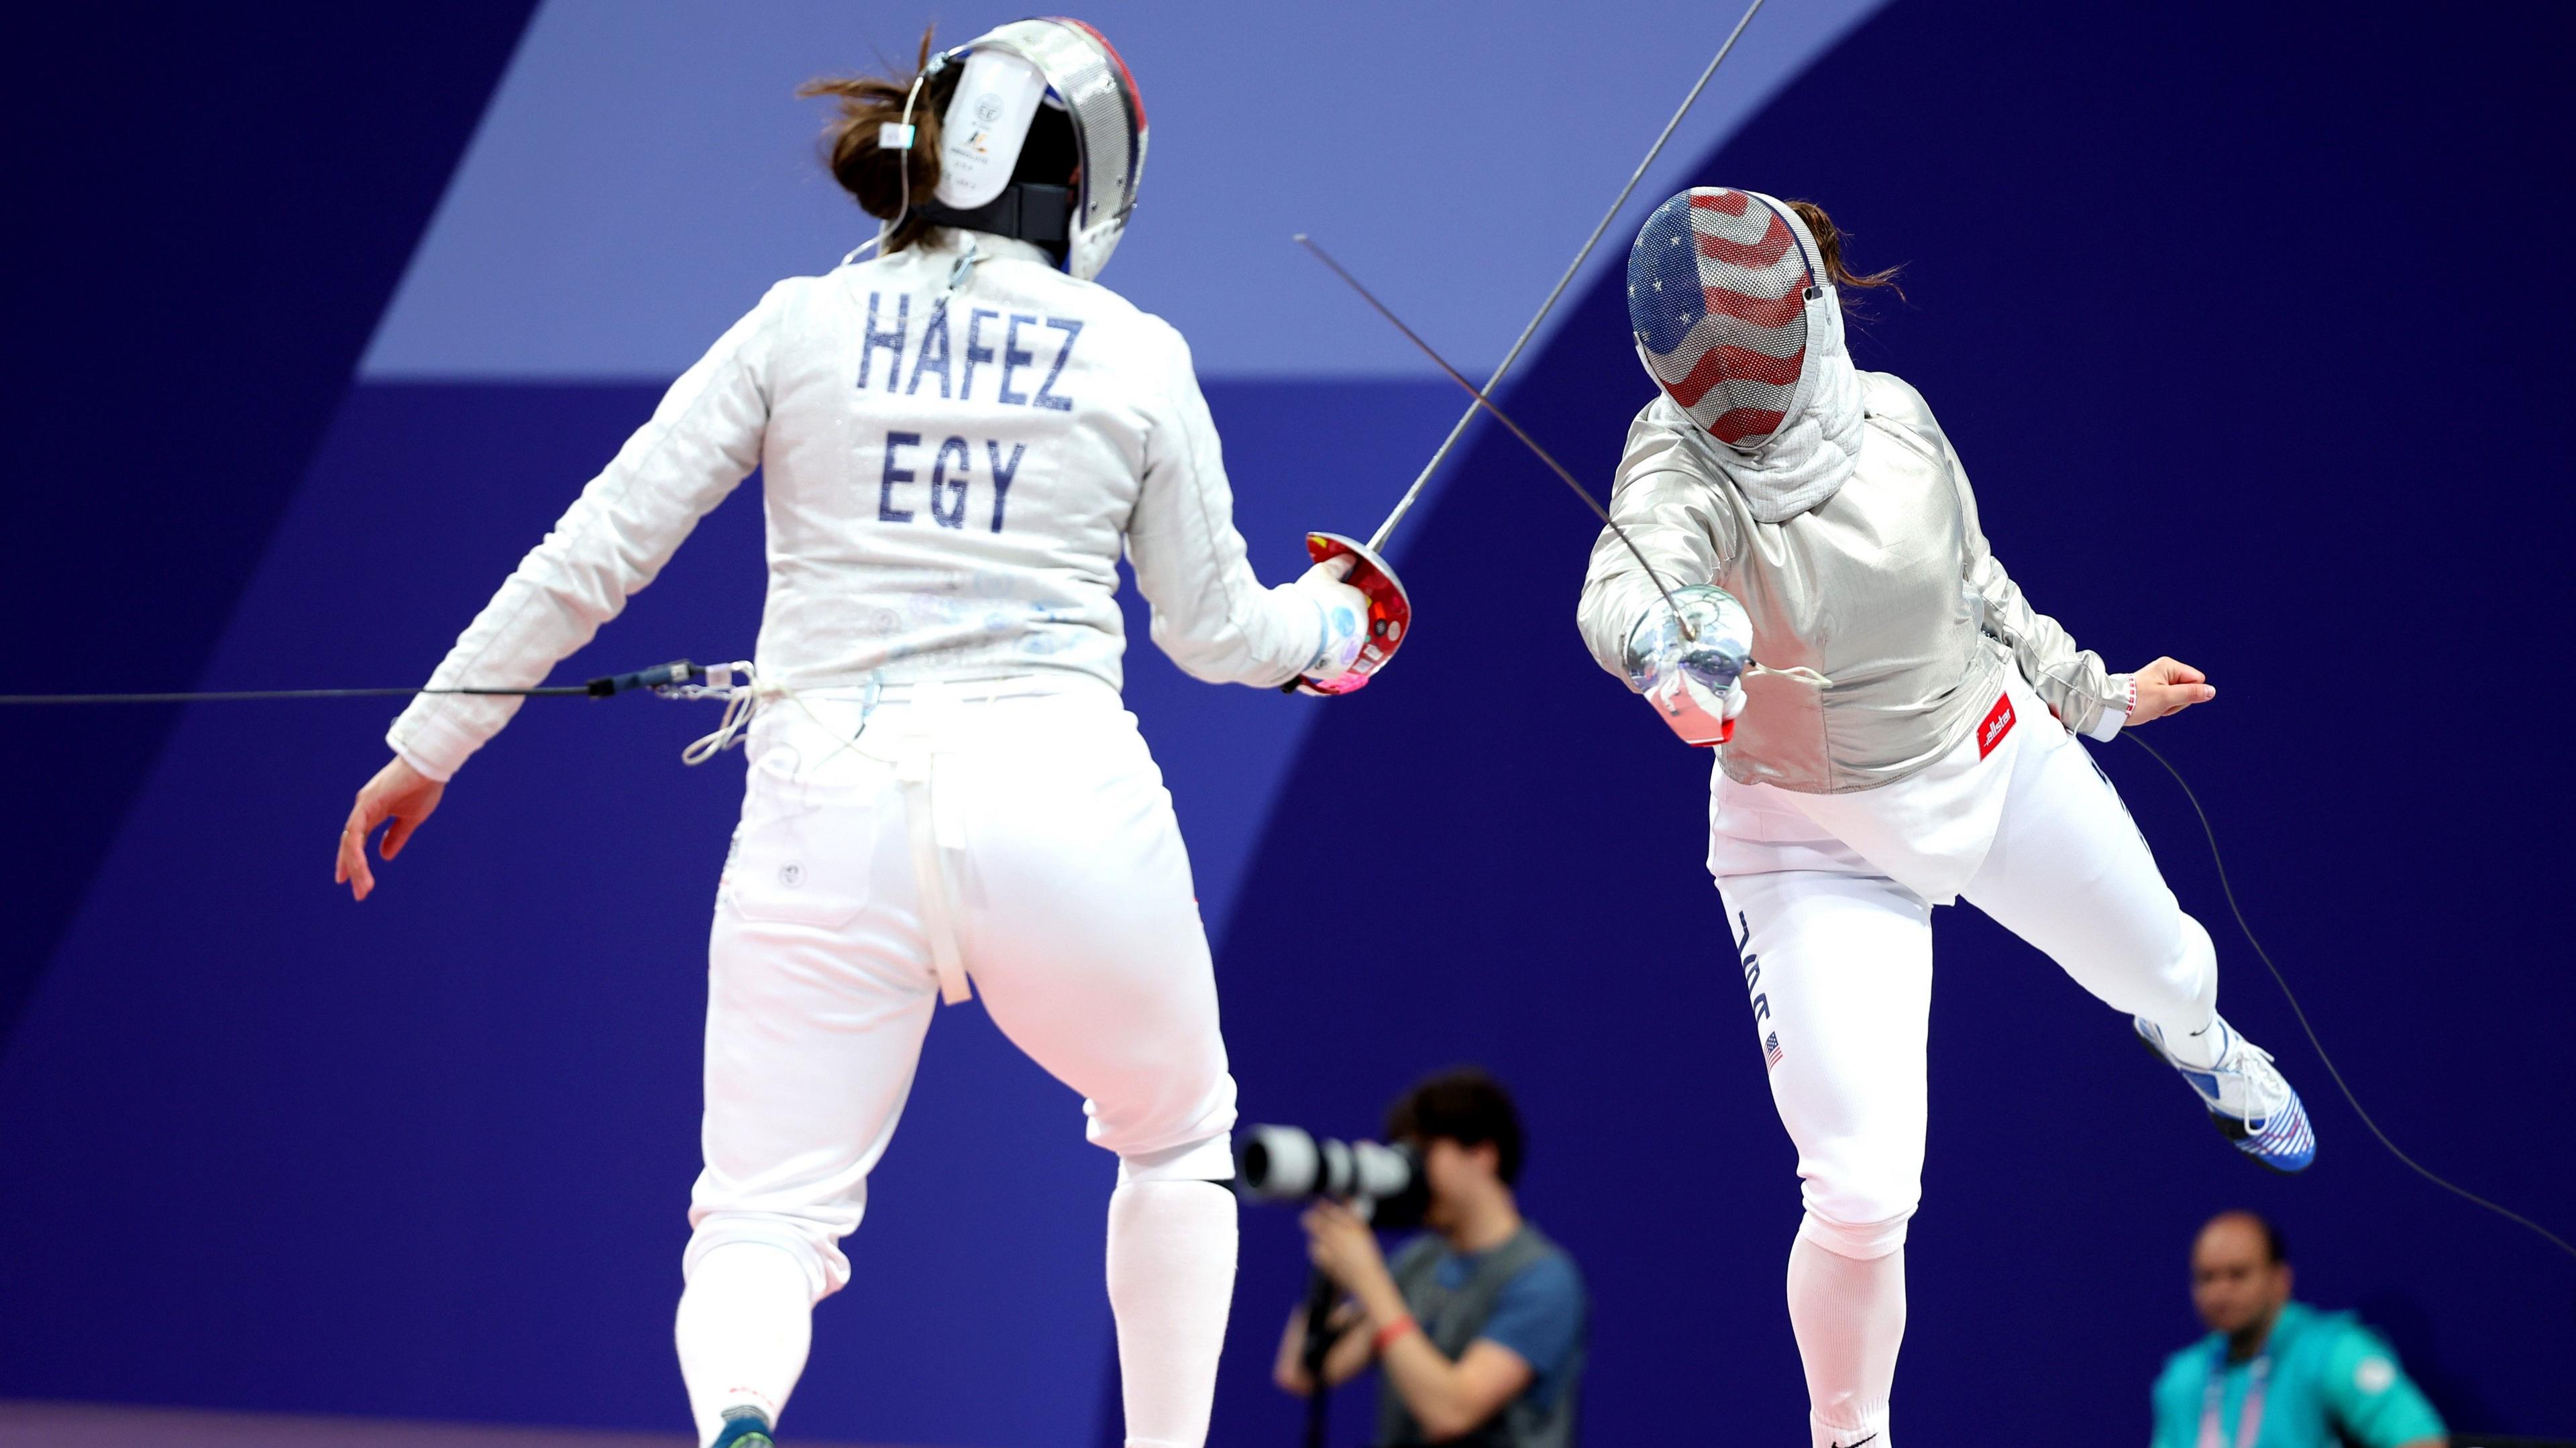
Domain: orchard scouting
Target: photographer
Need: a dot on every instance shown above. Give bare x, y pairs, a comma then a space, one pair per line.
1478, 1324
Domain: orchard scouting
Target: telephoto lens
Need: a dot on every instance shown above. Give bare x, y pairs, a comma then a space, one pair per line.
1287, 1164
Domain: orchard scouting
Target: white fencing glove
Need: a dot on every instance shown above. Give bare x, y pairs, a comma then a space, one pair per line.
1345, 612
1696, 683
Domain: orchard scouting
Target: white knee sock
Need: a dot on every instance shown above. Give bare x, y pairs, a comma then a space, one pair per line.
1849, 1316
744, 1325
1171, 1279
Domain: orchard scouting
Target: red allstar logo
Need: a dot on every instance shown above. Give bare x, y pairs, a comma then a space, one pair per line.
1998, 723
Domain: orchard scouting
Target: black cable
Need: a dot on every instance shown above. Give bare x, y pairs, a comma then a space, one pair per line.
234, 695
2265, 956
678, 671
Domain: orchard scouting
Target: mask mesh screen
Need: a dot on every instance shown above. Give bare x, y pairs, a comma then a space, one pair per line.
1717, 288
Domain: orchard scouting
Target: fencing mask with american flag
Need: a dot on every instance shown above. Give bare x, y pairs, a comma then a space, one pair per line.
1718, 289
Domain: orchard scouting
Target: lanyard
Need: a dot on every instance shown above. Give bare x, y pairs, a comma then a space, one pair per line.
2249, 1419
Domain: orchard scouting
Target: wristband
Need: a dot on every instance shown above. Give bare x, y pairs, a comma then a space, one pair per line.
1391, 1332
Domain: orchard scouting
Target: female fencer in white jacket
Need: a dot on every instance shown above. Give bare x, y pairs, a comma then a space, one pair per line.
956, 441
1906, 738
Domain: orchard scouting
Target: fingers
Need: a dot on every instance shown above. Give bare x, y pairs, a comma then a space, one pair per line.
352, 869
2181, 696
391, 845
2158, 701
2169, 686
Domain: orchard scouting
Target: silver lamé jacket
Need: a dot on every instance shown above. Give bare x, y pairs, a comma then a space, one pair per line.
1853, 543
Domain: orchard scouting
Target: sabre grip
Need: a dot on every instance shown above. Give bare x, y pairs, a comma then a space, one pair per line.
678, 671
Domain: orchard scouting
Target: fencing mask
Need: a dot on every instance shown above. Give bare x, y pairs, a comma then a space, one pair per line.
1718, 287
1051, 94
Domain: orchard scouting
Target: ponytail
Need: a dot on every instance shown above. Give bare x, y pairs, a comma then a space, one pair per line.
876, 177
1829, 242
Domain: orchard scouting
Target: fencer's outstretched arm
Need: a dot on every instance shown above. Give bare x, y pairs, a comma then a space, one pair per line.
1677, 521
1210, 612
702, 441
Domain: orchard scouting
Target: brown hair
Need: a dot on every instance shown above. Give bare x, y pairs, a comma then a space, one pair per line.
875, 177
1829, 241
1464, 1105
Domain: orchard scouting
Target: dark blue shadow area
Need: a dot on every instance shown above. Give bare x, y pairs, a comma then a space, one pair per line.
212, 208
430, 1156
2226, 313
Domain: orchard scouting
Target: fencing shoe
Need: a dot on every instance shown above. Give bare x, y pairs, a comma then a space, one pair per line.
744, 1428
2248, 1100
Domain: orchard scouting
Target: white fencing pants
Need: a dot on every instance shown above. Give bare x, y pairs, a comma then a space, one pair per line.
1837, 960
1024, 821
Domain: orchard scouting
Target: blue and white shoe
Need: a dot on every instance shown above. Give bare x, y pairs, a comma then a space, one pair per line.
744, 1428
2248, 1100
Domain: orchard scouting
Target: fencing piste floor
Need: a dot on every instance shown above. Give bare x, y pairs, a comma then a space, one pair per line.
97, 1425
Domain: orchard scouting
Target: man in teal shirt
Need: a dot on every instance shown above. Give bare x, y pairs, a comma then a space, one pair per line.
2275, 1373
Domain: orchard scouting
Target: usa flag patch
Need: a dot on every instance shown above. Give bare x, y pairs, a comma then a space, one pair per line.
1771, 1050
1998, 723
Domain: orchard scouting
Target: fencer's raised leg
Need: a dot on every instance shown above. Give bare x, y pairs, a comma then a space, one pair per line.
1083, 936
819, 991
2070, 874
1838, 968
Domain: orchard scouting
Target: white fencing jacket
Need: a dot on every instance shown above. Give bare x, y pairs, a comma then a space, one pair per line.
948, 480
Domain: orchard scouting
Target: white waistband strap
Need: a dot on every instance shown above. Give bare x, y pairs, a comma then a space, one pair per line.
936, 827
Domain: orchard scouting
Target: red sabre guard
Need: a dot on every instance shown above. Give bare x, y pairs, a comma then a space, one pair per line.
1390, 610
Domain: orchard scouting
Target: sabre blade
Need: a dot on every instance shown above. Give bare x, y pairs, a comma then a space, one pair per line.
1504, 418
1385, 530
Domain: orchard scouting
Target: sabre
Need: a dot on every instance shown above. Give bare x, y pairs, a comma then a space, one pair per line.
1377, 540
1504, 418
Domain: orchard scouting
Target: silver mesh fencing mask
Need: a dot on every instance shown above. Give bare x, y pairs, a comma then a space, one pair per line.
1718, 286
1084, 77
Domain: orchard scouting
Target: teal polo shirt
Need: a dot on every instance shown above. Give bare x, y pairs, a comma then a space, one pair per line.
2328, 1373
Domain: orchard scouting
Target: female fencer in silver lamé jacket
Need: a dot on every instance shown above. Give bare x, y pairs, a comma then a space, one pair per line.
1850, 536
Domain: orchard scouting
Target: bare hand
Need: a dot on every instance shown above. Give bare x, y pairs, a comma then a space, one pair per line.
399, 793
2166, 687
1343, 1248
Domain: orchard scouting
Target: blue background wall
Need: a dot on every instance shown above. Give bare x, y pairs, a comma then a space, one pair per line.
2243, 323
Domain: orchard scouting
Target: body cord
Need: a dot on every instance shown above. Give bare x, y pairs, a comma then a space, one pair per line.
2227, 886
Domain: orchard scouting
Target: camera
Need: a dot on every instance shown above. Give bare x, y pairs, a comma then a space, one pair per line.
1285, 1164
